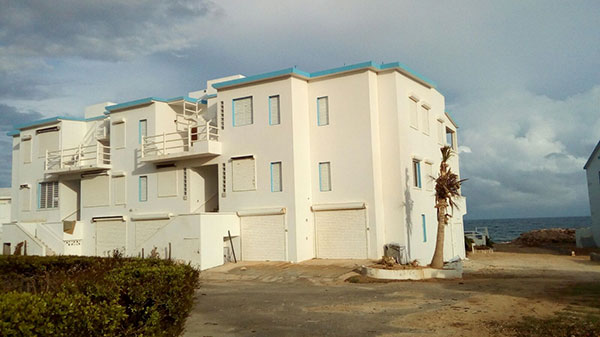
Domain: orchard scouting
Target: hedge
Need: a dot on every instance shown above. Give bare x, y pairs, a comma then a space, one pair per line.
93, 296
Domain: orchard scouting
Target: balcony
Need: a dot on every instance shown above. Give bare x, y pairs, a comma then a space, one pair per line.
194, 142
78, 159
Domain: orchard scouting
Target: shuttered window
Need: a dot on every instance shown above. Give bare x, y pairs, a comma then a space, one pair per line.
276, 185
451, 138
325, 176
119, 190
274, 118
243, 174
425, 119
424, 224
25, 196
167, 182
143, 188
95, 190
416, 173
142, 130
48, 195
242, 111
118, 135
323, 111
26, 150
429, 176
47, 140
440, 131
413, 113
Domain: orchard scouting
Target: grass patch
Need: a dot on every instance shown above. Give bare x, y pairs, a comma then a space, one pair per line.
93, 296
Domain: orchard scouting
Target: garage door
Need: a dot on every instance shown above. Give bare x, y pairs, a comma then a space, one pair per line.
110, 235
263, 237
341, 234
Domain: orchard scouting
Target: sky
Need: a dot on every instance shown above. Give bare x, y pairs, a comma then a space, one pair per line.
521, 78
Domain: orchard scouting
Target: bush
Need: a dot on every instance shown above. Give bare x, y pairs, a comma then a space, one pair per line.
92, 296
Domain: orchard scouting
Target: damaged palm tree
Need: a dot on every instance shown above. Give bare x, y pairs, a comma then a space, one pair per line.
447, 189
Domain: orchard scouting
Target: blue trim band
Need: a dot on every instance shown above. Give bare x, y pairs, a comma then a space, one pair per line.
148, 100
295, 71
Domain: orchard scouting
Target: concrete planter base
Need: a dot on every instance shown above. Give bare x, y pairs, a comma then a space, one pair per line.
451, 271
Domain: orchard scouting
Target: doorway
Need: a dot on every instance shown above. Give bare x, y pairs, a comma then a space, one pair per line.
204, 189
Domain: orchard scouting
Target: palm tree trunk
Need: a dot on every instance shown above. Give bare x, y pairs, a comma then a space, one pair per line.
438, 255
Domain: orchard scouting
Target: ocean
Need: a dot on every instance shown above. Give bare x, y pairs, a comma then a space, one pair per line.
502, 230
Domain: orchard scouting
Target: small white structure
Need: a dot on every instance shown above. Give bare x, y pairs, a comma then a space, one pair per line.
293, 165
590, 237
5, 205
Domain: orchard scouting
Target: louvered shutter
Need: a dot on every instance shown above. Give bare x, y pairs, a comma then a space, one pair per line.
242, 110
276, 177
325, 177
323, 110
243, 172
274, 110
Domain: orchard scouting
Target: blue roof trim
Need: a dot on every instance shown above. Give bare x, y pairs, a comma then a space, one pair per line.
294, 70
211, 96
38, 122
148, 100
203, 101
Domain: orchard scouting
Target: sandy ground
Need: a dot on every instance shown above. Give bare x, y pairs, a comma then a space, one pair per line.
312, 299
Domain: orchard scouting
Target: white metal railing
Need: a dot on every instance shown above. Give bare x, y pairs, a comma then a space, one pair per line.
174, 142
82, 155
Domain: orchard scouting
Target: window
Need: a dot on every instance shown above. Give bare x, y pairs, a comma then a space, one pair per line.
48, 195
242, 111
224, 181
25, 196
243, 174
276, 185
429, 176
118, 134
142, 130
424, 223
26, 150
425, 119
119, 190
185, 183
323, 111
416, 173
143, 188
451, 138
413, 113
47, 140
274, 118
95, 190
222, 111
325, 177
441, 129
166, 181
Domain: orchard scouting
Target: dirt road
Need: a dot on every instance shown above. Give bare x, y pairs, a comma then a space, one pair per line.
311, 298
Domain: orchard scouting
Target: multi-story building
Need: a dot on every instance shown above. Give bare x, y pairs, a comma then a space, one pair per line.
590, 237
292, 165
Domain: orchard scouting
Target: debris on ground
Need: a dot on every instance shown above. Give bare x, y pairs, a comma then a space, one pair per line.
544, 237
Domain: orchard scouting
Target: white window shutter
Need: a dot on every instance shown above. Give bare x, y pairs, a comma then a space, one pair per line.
325, 176
425, 119
323, 110
276, 177
414, 122
243, 172
242, 109
274, 118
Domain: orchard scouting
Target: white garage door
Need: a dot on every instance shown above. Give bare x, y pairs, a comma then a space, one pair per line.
341, 234
110, 235
263, 238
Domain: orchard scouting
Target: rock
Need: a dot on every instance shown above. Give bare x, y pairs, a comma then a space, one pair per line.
595, 257
243, 269
543, 237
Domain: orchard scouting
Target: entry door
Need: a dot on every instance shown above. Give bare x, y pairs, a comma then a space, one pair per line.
6, 249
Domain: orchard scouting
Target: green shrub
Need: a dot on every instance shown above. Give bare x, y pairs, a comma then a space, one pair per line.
92, 296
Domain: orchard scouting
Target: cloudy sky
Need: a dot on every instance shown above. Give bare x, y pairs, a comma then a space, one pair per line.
521, 78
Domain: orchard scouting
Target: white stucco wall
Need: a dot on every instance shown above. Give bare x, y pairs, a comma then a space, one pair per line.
593, 182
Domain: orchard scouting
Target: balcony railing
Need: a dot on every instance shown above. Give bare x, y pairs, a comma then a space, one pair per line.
177, 142
83, 156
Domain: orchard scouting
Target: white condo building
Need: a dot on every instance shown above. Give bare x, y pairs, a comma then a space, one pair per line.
293, 165
590, 237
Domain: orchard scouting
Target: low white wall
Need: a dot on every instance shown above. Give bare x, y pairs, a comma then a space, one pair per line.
213, 229
14, 234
